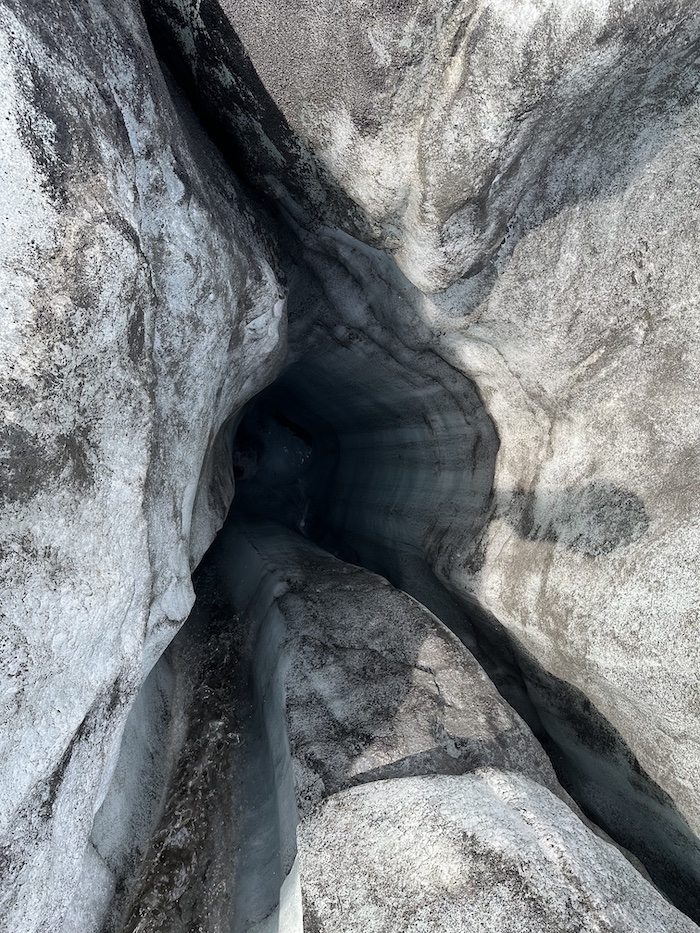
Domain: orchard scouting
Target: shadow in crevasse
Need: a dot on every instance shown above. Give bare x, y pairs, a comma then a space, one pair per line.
594, 763
227, 794
590, 757
289, 646
330, 477
218, 850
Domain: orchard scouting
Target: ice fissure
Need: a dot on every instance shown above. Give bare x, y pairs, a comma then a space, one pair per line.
366, 478
406, 289
315, 661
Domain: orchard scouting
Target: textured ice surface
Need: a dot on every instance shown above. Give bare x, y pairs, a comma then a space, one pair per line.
483, 852
139, 311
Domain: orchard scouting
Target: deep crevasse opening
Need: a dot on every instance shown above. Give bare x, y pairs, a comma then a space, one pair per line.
371, 462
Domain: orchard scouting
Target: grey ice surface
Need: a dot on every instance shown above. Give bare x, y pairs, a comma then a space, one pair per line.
485, 215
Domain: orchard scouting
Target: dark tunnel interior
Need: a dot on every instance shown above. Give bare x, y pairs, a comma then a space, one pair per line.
373, 470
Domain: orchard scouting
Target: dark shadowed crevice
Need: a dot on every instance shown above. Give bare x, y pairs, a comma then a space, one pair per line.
198, 826
360, 475
357, 474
